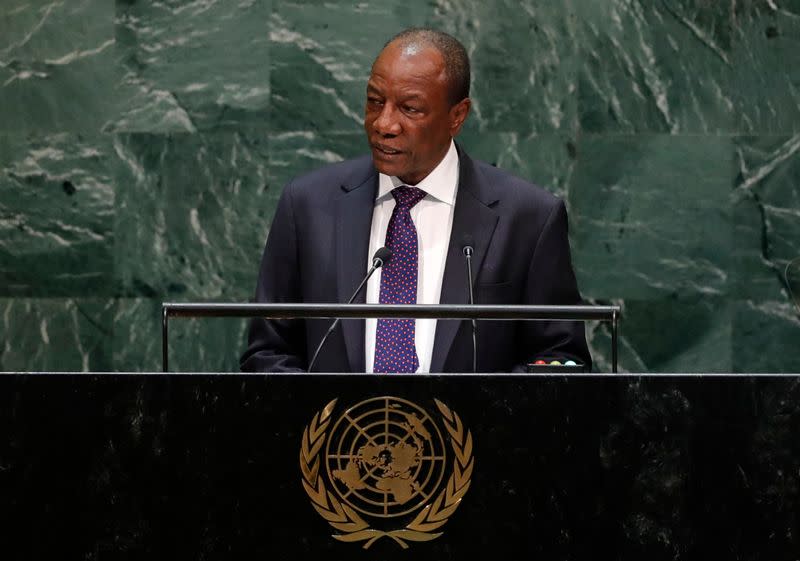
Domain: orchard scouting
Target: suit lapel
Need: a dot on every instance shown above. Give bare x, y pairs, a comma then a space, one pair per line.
473, 220
354, 219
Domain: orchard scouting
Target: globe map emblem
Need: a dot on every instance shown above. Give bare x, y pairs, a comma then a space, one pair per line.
385, 457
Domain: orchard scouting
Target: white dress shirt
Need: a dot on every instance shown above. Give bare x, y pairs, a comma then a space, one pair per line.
433, 219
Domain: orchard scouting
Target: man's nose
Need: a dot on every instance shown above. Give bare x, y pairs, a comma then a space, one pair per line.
386, 123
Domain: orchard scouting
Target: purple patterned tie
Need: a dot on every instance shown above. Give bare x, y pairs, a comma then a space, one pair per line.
394, 338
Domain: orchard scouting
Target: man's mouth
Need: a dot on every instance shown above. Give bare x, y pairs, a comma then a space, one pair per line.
386, 150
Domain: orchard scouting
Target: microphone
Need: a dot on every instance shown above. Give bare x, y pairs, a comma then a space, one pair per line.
468, 251
381, 258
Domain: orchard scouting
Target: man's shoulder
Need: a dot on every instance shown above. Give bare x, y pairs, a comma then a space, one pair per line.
512, 189
333, 176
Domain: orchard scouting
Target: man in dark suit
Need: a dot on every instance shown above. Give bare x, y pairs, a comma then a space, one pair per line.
329, 222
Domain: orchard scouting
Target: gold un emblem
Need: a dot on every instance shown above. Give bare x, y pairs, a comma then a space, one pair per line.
378, 469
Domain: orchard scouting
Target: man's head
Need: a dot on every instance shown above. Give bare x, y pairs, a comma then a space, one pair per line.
417, 100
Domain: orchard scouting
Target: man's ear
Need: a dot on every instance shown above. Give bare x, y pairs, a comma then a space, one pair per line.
458, 114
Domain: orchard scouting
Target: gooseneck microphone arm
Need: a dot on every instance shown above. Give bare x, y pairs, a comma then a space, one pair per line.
468, 255
381, 258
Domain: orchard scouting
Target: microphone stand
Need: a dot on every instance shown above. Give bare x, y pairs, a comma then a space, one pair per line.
468, 254
381, 257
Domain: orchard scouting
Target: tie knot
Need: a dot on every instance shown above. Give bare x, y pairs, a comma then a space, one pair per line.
406, 196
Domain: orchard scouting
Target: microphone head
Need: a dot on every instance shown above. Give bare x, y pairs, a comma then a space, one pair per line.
382, 256
467, 245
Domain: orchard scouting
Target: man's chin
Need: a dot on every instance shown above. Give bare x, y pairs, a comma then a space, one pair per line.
387, 168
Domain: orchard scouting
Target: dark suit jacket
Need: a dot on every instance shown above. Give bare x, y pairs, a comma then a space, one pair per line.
317, 252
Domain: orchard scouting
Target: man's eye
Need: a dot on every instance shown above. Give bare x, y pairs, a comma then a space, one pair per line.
374, 101
410, 109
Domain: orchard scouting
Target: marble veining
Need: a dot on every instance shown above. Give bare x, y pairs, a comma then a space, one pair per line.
654, 467
143, 147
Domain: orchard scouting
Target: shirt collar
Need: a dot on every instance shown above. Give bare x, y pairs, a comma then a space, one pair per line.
440, 184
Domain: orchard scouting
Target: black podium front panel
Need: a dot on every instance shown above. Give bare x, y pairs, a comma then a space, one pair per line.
399, 467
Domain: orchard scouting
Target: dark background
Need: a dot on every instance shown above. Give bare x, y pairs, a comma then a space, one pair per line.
206, 466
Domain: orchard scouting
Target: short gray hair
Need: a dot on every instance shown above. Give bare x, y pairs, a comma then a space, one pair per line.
456, 59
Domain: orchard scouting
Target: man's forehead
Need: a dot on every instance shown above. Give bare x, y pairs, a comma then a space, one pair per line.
407, 88
410, 51
406, 91
412, 48
412, 61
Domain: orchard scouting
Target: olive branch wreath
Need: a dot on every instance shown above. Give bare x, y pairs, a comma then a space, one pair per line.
346, 520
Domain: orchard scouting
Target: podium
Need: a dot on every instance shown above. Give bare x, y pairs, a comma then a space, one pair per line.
223, 466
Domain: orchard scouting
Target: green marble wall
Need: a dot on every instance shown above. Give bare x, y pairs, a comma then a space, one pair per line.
143, 146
